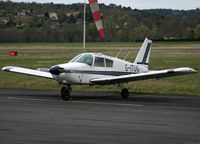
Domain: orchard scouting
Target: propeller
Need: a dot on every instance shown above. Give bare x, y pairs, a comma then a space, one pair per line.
56, 70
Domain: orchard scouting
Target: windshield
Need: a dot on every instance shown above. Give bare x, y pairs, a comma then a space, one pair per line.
86, 58
75, 58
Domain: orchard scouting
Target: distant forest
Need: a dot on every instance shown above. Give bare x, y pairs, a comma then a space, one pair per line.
35, 22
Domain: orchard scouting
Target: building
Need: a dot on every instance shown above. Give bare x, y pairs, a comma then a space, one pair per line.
75, 14
4, 21
53, 16
22, 13
21, 26
40, 15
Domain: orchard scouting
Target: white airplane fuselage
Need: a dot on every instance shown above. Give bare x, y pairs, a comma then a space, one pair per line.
81, 73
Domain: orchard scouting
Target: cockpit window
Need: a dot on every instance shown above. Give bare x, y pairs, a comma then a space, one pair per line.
75, 58
99, 62
86, 58
109, 63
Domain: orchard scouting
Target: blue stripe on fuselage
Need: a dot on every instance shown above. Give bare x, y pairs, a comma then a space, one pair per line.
108, 73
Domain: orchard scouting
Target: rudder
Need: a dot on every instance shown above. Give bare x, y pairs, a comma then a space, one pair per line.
144, 53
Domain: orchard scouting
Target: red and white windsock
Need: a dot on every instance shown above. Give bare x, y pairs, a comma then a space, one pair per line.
97, 16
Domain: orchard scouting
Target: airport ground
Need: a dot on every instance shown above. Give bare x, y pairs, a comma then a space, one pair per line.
164, 55
164, 111
40, 116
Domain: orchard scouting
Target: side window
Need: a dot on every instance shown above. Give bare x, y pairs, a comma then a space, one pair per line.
99, 62
109, 63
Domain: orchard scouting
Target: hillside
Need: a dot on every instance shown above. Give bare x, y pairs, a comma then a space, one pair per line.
189, 14
34, 22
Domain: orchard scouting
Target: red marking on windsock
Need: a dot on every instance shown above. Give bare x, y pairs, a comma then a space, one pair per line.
93, 1
96, 16
101, 32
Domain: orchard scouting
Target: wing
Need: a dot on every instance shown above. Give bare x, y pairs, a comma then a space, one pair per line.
143, 76
28, 71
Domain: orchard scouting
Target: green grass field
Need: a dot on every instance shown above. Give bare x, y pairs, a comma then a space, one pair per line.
163, 56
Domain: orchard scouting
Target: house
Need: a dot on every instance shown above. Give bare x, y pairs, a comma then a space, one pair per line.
68, 14
22, 13
126, 23
4, 21
169, 38
72, 13
40, 16
76, 14
28, 11
21, 26
53, 16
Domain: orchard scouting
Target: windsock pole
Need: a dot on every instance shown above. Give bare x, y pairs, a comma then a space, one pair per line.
84, 27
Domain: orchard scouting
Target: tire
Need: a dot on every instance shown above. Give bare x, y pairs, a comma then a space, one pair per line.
65, 93
124, 93
62, 90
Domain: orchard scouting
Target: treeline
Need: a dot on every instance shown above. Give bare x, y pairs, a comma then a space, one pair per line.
34, 22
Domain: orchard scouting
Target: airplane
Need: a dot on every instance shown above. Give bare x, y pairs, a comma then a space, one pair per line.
98, 69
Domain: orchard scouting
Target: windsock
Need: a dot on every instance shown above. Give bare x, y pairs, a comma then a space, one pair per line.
97, 16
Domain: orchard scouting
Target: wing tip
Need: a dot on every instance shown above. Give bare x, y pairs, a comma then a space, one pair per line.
7, 68
185, 70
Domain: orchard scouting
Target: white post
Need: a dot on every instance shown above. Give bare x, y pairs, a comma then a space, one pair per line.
84, 27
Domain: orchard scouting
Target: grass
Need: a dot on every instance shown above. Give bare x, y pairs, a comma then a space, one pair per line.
164, 56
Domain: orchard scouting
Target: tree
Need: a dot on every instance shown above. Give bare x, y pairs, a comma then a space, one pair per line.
46, 15
142, 31
61, 16
72, 19
189, 33
198, 20
197, 31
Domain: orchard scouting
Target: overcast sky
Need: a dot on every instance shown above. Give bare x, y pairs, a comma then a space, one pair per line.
138, 4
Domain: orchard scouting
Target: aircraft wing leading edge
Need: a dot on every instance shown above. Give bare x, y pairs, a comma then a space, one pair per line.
143, 76
28, 71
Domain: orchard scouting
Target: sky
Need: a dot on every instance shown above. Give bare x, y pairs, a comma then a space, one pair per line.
138, 4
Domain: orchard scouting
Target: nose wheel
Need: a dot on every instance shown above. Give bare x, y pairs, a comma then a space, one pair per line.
65, 92
124, 93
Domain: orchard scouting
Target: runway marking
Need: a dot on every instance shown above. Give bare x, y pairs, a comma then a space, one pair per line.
106, 103
85, 102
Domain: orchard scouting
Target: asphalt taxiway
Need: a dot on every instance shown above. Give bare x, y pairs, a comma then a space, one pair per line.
40, 116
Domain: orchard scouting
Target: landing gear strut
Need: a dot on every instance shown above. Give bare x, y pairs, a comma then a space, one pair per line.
65, 92
124, 93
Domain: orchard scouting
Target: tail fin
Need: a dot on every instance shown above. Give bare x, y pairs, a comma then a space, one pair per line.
144, 53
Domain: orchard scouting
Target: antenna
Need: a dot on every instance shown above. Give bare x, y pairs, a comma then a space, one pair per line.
127, 55
118, 53
84, 27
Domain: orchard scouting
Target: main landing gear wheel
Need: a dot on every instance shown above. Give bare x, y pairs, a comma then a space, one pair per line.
65, 92
124, 93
